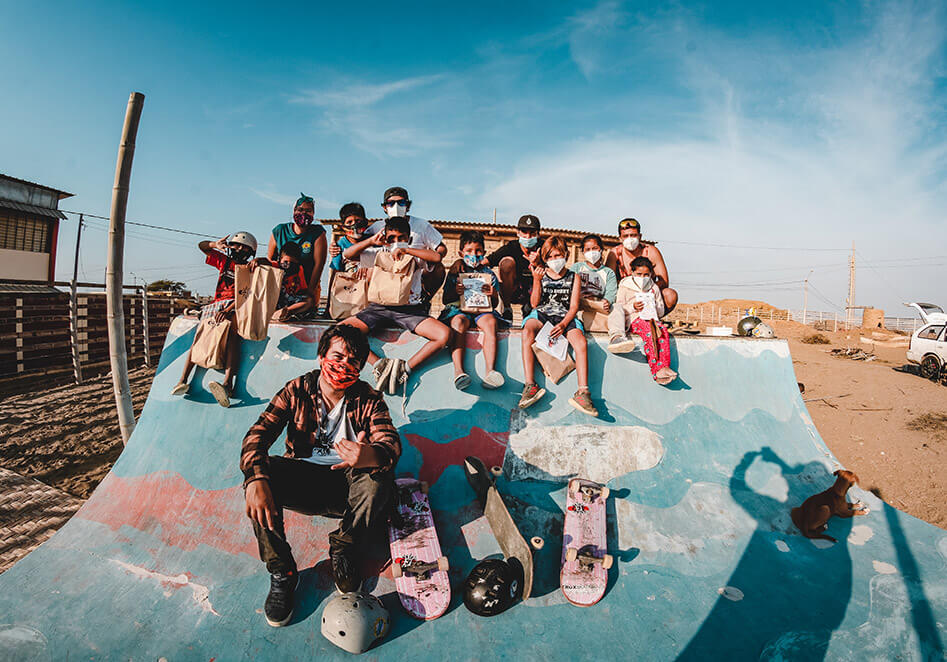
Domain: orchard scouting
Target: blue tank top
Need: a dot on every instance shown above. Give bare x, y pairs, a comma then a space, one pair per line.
283, 234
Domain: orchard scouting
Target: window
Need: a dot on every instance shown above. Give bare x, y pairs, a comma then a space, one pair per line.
932, 332
21, 233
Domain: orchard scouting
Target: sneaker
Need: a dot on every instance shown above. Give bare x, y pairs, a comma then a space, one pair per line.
344, 572
531, 395
462, 381
665, 376
621, 345
397, 376
180, 388
220, 392
493, 379
278, 608
582, 400
380, 371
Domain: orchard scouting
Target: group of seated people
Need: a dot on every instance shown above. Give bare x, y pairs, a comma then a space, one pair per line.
629, 283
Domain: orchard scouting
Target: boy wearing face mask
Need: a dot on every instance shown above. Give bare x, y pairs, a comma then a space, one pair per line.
555, 299
309, 236
412, 317
620, 258
639, 296
515, 260
224, 254
471, 261
598, 280
294, 297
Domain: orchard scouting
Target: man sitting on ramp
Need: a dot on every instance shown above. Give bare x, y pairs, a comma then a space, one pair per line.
341, 450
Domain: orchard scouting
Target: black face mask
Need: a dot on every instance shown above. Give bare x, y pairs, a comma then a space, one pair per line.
288, 268
238, 255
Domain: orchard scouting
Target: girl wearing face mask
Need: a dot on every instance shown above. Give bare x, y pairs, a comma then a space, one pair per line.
309, 236
598, 281
555, 299
638, 307
619, 259
471, 262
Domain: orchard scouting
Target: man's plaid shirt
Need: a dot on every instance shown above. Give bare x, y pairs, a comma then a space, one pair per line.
296, 408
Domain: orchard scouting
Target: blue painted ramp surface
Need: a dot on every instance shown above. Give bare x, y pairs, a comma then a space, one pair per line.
161, 561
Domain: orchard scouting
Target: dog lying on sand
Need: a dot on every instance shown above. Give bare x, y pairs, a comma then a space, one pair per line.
812, 517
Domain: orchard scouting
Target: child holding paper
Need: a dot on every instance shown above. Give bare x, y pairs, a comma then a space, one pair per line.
555, 301
638, 309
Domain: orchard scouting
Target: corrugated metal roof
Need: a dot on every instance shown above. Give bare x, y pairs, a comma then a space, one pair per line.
62, 194
486, 226
27, 288
31, 209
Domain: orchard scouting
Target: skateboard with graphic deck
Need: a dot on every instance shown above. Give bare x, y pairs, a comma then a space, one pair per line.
585, 561
417, 565
511, 541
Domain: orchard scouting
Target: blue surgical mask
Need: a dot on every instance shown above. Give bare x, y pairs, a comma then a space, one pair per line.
528, 242
471, 260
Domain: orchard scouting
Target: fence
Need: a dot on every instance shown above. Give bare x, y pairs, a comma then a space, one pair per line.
53, 338
711, 314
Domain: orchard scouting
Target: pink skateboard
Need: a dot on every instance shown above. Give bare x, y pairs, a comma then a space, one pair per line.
585, 562
419, 569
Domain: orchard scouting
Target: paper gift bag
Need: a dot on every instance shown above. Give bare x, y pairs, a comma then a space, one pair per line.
554, 368
257, 293
349, 295
594, 317
390, 283
210, 344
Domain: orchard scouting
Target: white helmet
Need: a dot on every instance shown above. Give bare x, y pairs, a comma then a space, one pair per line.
763, 330
354, 621
244, 238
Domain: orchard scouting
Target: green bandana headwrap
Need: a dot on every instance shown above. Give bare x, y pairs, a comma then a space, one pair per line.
304, 198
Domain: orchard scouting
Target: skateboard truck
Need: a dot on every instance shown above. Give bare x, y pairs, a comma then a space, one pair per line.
417, 569
586, 559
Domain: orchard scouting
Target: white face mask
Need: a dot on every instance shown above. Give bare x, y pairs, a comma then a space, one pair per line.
592, 257
630, 243
644, 283
557, 264
398, 244
396, 210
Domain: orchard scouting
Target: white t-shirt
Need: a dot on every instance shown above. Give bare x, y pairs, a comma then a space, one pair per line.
337, 427
423, 235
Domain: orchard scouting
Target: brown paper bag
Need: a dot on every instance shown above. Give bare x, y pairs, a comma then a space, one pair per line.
594, 317
256, 295
390, 283
210, 344
553, 368
349, 295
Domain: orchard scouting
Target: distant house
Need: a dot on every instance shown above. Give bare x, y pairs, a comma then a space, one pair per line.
29, 229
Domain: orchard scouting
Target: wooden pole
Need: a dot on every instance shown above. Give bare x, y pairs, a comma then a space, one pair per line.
144, 322
74, 310
114, 268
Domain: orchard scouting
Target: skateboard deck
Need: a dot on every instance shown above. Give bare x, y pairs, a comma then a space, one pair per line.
585, 561
511, 541
419, 568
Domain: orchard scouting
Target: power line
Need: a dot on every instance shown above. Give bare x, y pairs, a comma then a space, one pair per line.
755, 248
143, 225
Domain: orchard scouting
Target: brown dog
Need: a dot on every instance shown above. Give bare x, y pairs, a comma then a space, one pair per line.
812, 517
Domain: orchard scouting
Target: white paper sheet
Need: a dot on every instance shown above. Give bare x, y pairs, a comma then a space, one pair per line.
649, 312
558, 348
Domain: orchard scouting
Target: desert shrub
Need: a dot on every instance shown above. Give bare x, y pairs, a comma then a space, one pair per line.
816, 339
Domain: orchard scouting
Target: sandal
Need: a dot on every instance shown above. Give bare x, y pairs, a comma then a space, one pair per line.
493, 379
665, 376
462, 381
180, 388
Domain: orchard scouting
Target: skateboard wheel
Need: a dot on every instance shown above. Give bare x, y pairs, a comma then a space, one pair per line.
537, 542
396, 570
424, 487
496, 471
605, 493
607, 561
572, 554
442, 563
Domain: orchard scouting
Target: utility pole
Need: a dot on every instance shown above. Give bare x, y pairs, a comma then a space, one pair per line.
805, 296
850, 301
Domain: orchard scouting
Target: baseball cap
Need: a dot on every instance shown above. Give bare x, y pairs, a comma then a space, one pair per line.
395, 190
628, 223
528, 222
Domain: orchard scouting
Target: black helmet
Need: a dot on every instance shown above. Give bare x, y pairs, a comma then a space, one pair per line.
746, 325
491, 587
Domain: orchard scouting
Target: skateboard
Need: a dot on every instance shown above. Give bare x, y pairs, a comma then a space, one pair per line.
511, 541
417, 565
585, 562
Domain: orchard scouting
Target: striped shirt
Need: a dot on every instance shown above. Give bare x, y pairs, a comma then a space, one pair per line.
295, 408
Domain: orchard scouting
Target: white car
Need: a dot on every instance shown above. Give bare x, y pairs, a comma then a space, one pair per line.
928, 344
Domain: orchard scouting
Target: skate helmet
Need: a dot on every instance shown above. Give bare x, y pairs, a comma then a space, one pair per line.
746, 325
491, 587
763, 330
243, 239
354, 621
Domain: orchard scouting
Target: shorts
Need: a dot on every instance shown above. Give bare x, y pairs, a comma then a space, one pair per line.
213, 308
451, 311
286, 299
407, 317
576, 323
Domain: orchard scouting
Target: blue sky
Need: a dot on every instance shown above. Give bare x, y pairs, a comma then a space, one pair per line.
717, 125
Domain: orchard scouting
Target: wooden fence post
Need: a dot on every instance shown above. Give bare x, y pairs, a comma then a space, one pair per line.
82, 328
144, 318
19, 335
74, 332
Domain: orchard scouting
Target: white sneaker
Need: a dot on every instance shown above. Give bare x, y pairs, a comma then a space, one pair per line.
493, 380
621, 345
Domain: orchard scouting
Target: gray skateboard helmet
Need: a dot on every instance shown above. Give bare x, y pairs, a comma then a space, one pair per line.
746, 325
354, 621
244, 238
763, 330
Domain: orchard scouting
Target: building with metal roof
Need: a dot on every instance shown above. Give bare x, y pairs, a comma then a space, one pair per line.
29, 229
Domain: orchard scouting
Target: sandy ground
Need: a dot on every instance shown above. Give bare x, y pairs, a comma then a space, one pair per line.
887, 426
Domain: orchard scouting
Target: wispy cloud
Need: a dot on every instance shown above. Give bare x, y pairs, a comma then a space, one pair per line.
360, 95
285, 200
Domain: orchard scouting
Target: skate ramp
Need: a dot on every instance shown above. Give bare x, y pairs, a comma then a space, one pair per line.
161, 563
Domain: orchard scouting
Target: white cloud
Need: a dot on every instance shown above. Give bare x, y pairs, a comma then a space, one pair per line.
359, 95
268, 193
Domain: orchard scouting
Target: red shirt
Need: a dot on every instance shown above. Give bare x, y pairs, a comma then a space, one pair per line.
225, 288
293, 283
